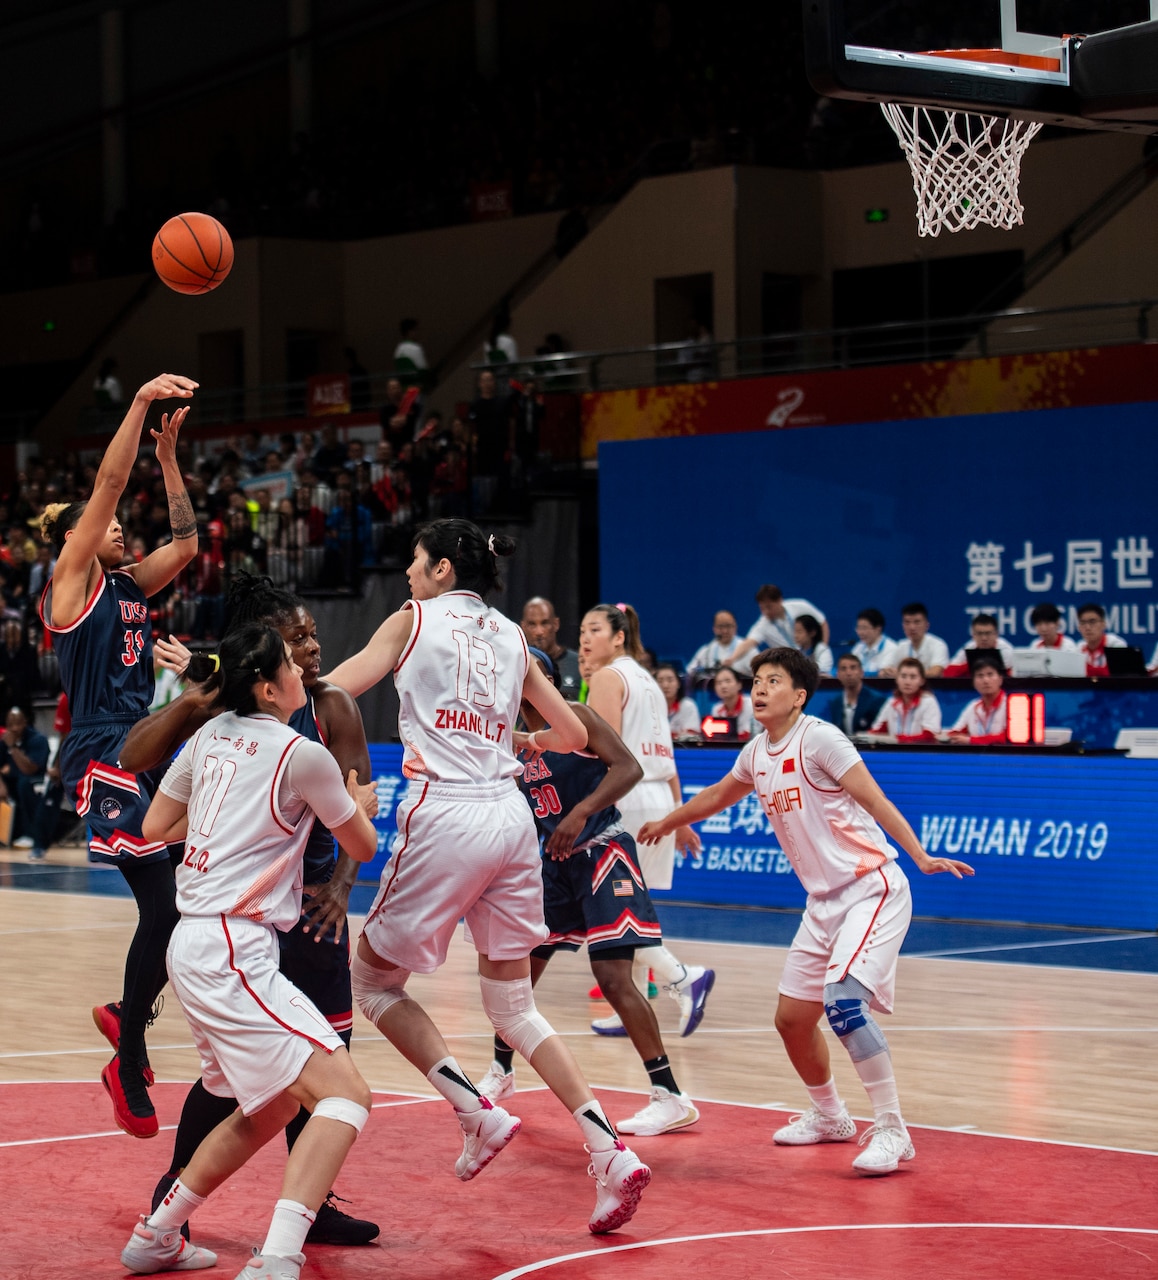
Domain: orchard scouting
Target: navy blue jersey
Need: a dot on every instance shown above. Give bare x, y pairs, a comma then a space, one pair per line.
106, 655
318, 859
555, 783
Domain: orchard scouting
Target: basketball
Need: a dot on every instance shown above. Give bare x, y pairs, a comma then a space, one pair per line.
192, 253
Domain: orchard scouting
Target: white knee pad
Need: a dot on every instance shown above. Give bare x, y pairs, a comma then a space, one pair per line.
511, 1008
343, 1109
375, 990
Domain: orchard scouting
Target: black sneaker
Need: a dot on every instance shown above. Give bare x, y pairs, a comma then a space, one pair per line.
332, 1226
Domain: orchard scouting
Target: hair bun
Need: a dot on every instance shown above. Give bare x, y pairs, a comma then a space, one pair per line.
501, 545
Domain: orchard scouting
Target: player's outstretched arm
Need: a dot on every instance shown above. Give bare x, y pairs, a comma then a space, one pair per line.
166, 820
862, 786
565, 732
155, 739
623, 772
719, 795
326, 904
378, 658
70, 580
357, 835
160, 567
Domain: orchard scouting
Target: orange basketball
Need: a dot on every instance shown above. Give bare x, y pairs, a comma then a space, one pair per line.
192, 253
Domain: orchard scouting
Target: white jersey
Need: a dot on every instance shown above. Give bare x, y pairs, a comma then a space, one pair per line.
981, 722
645, 728
1065, 644
252, 786
829, 839
684, 718
1096, 658
460, 682
873, 656
909, 720
932, 652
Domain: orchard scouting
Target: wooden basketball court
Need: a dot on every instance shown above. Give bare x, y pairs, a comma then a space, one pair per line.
1020, 1051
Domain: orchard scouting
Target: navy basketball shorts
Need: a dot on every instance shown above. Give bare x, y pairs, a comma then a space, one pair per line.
599, 897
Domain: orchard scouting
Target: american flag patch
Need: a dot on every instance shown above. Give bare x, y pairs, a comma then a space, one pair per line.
789, 765
622, 888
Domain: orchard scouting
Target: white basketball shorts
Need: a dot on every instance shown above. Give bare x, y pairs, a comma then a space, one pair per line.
650, 802
252, 1027
461, 851
854, 932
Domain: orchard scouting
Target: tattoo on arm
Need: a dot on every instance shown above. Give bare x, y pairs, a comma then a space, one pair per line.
181, 519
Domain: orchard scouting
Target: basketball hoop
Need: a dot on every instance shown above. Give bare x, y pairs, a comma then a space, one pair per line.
965, 166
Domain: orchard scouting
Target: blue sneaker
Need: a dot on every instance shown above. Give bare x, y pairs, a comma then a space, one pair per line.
612, 1026
692, 994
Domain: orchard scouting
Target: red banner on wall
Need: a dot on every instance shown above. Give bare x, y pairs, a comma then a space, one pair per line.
327, 393
938, 389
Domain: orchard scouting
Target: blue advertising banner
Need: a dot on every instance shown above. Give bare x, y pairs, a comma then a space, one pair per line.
991, 513
1064, 840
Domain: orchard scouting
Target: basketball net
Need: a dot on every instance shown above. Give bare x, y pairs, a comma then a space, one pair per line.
965, 166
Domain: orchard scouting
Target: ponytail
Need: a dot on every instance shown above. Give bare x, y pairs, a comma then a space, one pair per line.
622, 617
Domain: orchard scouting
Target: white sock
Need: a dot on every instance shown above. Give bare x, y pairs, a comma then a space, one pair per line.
287, 1230
452, 1082
176, 1208
876, 1074
598, 1132
825, 1098
667, 969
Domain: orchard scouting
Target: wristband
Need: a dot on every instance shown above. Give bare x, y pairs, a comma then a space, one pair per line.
533, 741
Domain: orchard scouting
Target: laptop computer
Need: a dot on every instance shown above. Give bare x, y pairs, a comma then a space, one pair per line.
1048, 662
1126, 662
973, 656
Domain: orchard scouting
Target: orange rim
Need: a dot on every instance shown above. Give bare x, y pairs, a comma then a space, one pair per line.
1003, 57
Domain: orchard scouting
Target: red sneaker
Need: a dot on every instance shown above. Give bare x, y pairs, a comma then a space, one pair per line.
108, 1022
593, 994
132, 1109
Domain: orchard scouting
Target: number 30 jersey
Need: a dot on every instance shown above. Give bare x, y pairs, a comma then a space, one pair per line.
252, 786
106, 655
460, 683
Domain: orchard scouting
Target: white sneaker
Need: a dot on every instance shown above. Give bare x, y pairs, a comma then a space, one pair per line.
814, 1126
484, 1134
666, 1111
612, 1026
888, 1144
151, 1250
621, 1178
691, 993
497, 1084
268, 1267
22, 842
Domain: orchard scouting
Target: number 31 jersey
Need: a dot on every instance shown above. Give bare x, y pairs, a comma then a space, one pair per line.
460, 683
106, 655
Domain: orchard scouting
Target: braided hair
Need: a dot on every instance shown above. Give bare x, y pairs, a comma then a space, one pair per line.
254, 598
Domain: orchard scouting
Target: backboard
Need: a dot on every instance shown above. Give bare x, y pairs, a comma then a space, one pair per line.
1081, 64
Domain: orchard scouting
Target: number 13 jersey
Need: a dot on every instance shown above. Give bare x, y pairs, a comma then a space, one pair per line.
460, 682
